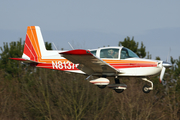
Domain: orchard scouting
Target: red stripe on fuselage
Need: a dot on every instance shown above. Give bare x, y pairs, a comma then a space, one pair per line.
132, 65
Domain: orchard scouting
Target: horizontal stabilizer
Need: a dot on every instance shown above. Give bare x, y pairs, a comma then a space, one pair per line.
24, 60
19, 59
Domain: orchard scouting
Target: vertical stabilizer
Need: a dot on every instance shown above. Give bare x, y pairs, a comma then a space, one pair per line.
34, 47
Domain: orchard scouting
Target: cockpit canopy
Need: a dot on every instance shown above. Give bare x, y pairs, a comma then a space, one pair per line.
127, 53
114, 53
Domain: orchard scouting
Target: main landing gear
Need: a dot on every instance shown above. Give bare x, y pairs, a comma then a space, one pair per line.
146, 88
119, 88
101, 86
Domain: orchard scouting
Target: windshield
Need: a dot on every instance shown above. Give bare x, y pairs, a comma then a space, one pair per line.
127, 53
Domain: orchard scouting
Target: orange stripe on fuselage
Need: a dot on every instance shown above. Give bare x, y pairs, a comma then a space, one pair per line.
128, 61
50, 60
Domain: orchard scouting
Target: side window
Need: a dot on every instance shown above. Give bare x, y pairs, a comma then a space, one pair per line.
93, 52
124, 54
109, 53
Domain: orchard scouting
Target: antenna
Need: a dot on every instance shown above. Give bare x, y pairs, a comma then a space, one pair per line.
71, 45
168, 54
54, 46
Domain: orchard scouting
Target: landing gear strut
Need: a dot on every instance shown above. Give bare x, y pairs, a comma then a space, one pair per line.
117, 81
146, 88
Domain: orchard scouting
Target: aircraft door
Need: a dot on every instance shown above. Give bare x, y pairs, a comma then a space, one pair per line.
130, 64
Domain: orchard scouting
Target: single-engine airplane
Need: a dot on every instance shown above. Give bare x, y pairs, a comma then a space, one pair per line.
102, 62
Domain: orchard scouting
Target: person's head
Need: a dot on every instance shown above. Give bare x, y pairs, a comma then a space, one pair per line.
111, 51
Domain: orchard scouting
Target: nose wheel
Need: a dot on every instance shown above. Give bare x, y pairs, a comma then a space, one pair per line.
147, 88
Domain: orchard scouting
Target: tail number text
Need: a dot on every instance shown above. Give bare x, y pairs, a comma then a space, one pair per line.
63, 65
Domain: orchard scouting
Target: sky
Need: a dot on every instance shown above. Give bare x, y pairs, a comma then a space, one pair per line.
89, 24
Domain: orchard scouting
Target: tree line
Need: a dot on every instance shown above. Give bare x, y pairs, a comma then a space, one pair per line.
42, 94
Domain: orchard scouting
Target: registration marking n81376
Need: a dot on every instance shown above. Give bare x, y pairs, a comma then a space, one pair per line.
63, 65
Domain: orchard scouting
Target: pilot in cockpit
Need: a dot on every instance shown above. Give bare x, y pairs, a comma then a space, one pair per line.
112, 54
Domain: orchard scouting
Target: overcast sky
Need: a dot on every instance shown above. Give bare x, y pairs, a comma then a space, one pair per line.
96, 23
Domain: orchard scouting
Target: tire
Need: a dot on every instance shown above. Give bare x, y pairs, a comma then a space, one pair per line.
145, 89
101, 86
119, 90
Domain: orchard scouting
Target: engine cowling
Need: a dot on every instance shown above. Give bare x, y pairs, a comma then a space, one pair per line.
100, 81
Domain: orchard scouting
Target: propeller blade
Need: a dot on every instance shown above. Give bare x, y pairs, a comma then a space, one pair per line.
162, 74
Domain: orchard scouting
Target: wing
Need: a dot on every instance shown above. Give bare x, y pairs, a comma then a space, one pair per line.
89, 63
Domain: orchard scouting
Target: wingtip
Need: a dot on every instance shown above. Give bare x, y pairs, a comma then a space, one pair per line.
77, 52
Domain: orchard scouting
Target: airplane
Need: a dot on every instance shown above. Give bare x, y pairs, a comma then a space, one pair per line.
103, 62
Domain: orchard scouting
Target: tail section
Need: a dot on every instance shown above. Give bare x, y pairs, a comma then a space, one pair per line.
36, 54
34, 47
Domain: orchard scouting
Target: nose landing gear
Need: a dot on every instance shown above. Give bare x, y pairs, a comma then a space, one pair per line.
147, 88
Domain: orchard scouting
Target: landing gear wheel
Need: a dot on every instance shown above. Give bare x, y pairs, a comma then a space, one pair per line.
101, 86
119, 90
146, 89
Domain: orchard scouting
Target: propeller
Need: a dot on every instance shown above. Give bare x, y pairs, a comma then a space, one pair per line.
162, 75
164, 66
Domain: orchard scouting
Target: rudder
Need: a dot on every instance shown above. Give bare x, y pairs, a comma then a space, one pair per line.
34, 47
